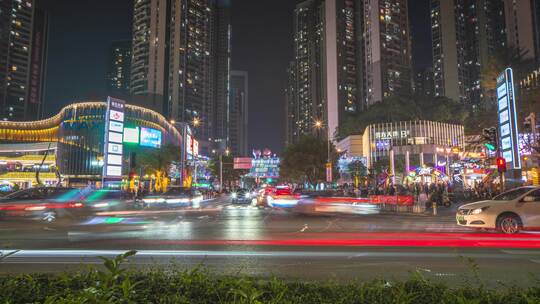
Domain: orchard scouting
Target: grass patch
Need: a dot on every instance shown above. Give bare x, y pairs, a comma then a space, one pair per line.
118, 285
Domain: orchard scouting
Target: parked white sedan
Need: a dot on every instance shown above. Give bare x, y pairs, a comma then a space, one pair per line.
509, 212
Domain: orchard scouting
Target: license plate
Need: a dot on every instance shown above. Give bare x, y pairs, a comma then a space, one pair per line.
460, 218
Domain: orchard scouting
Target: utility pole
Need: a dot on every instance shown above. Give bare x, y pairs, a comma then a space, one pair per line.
221, 172
531, 119
183, 154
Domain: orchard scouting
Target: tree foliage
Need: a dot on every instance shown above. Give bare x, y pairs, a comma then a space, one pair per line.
396, 109
159, 160
527, 98
358, 169
305, 161
513, 57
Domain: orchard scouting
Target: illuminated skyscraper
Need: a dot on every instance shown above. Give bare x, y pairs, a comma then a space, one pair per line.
23, 45
119, 72
523, 26
466, 33
181, 54
387, 50
237, 118
327, 71
291, 105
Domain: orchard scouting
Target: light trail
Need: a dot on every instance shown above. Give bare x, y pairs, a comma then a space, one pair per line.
306, 239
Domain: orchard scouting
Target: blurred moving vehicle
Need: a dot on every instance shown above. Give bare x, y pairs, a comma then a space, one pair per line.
106, 200
282, 197
43, 203
262, 195
334, 202
509, 212
173, 198
243, 196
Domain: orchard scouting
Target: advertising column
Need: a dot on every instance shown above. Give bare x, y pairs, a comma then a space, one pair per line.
508, 130
113, 145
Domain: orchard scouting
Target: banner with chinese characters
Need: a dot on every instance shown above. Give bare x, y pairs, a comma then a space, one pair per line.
113, 147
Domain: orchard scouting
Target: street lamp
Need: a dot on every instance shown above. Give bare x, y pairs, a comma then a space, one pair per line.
183, 127
227, 151
319, 125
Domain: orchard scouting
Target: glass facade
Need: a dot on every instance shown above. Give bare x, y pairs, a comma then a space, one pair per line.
413, 137
79, 131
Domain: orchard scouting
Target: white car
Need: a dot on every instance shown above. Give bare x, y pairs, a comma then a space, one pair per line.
509, 212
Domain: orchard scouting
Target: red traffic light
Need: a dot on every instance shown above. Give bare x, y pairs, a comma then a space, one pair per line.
501, 164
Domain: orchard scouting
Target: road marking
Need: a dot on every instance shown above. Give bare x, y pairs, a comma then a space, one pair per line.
20, 255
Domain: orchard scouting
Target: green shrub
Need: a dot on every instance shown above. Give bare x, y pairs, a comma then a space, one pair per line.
118, 285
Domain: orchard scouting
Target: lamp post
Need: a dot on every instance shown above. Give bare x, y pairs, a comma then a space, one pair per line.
184, 127
320, 126
227, 151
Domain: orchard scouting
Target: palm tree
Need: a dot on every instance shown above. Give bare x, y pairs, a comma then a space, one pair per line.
513, 57
157, 162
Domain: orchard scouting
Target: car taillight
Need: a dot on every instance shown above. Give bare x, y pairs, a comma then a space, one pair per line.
76, 205
35, 208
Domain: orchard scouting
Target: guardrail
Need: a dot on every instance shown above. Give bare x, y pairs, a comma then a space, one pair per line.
397, 203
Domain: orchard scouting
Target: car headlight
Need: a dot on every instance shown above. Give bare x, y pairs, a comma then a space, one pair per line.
178, 200
234, 195
479, 210
153, 200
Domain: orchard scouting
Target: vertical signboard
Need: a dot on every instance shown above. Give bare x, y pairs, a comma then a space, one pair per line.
329, 177
113, 145
508, 131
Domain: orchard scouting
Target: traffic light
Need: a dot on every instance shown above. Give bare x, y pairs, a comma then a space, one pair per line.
501, 164
490, 138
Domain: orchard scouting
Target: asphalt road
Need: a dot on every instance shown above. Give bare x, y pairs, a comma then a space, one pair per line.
265, 242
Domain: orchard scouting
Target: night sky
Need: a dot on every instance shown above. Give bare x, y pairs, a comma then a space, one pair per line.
81, 33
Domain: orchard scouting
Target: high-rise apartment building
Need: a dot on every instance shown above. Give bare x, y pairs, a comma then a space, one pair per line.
465, 34
119, 71
181, 54
387, 50
23, 45
308, 60
523, 26
423, 82
148, 63
237, 120
221, 71
327, 72
190, 82
291, 105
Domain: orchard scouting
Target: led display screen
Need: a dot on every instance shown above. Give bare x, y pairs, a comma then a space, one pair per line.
131, 135
150, 138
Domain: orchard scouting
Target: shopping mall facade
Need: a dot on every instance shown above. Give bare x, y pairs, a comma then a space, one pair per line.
418, 145
70, 145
